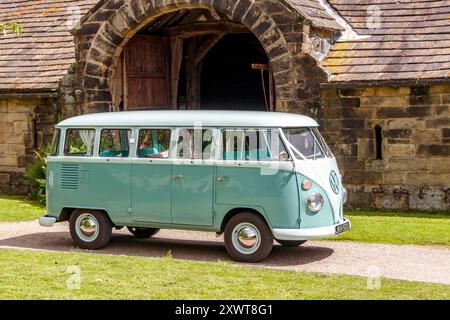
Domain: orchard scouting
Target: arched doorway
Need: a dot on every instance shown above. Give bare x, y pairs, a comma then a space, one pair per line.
107, 31
193, 59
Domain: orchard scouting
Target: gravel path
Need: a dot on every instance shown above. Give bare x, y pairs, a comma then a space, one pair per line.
412, 263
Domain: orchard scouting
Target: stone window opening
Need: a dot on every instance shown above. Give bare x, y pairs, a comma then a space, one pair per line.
378, 130
35, 133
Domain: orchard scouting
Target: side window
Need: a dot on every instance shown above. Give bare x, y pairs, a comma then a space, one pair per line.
115, 143
253, 145
154, 143
195, 144
54, 150
79, 142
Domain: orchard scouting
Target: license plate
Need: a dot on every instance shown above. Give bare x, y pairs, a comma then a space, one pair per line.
342, 228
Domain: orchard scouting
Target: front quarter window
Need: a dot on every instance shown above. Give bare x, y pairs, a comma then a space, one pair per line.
307, 143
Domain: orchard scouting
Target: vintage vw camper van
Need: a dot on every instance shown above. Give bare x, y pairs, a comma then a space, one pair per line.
256, 177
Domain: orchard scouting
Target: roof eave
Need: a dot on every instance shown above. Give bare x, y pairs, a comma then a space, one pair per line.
27, 94
384, 83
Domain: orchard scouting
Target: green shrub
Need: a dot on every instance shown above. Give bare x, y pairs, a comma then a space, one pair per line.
36, 174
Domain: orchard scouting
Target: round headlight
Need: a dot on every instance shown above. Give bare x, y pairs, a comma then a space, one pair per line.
344, 195
315, 202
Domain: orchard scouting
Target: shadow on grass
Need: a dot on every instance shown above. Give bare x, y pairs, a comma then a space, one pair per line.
122, 244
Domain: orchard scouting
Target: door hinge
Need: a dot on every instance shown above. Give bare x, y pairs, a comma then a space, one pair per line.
130, 210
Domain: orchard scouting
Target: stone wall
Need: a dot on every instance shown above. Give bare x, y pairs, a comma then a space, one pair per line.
25, 125
414, 172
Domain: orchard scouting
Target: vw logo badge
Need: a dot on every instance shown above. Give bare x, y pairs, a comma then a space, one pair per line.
334, 182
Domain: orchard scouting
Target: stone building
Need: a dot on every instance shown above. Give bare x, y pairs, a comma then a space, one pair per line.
374, 73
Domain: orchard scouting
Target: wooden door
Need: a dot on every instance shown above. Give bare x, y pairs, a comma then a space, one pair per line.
146, 74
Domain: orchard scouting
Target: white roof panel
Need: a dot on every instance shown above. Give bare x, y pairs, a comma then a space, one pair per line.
175, 118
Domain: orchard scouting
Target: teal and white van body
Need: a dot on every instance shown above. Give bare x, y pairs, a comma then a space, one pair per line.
254, 176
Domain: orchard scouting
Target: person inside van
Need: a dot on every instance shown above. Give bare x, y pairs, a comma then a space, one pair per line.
148, 148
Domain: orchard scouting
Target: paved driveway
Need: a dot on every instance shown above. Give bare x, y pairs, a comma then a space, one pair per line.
414, 263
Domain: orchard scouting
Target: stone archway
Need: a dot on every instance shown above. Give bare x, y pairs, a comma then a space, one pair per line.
107, 28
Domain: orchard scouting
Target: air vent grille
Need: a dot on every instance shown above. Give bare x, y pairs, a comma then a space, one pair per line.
69, 176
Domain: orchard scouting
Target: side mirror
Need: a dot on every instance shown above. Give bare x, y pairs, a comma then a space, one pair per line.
283, 156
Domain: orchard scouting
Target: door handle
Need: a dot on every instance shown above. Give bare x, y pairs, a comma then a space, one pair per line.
223, 179
178, 177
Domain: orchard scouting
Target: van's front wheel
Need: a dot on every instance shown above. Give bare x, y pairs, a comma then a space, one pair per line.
143, 233
248, 238
90, 229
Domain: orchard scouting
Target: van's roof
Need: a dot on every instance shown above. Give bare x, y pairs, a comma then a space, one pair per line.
181, 118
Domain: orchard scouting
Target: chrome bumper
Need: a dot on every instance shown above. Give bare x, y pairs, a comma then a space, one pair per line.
310, 233
47, 221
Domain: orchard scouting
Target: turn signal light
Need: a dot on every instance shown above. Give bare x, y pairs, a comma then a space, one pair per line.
306, 185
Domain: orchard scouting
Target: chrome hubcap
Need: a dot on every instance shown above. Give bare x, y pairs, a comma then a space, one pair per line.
246, 238
87, 227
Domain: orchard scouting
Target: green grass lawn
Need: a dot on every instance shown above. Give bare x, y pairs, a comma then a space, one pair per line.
399, 228
368, 226
41, 275
14, 209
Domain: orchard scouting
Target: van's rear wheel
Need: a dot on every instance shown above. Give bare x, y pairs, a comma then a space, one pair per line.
143, 233
248, 238
290, 243
90, 229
